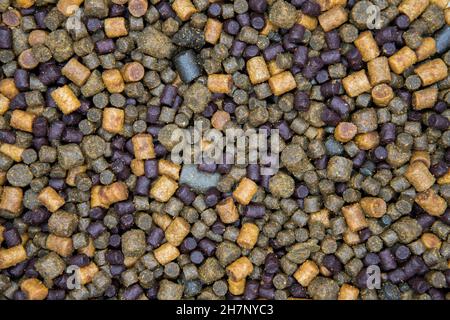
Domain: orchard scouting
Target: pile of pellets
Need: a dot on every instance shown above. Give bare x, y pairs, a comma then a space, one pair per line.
93, 207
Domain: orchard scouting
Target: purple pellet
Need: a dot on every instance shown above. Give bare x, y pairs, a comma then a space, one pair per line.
297, 3
253, 172
354, 59
56, 294
49, 73
5, 38
56, 129
126, 221
116, 10
266, 293
371, 259
296, 33
254, 211
251, 290
196, 257
132, 292
231, 26
153, 114
218, 227
243, 19
142, 186
207, 246
380, 153
115, 241
332, 263
12, 237
359, 159
312, 67
311, 8
330, 56
210, 109
212, 197
436, 121
402, 253
419, 285
188, 244
7, 136
214, 10
333, 39
388, 133
257, 21
396, 276
57, 184
80, 260
271, 264
237, 48
151, 168
95, 229
96, 213
402, 21
105, 46
168, 95
439, 169
259, 6
271, 51
124, 207
301, 56
72, 135
114, 257
165, 10
94, 24
251, 51
155, 237
301, 101
207, 167
284, 130
185, 194
322, 76
330, 117
39, 17
22, 79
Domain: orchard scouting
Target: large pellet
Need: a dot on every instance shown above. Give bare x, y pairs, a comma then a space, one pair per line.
166, 253
245, 191
34, 289
419, 176
367, 46
379, 71
431, 202
227, 210
51, 199
177, 231
12, 256
432, 71
413, 8
65, 99
282, 83
333, 18
426, 49
248, 235
306, 273
240, 269
425, 99
257, 70
354, 217
22, 120
373, 207
356, 83
402, 59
